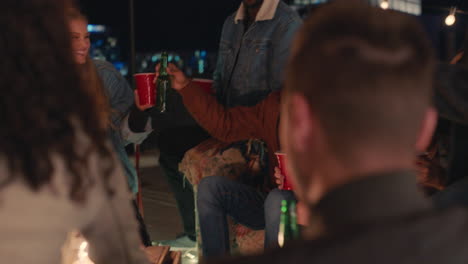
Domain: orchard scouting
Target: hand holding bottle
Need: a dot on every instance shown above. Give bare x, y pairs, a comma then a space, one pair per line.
288, 229
178, 78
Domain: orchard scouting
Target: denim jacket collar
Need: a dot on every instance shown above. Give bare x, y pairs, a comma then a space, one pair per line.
267, 11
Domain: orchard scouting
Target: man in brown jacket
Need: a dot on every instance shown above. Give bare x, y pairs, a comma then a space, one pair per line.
356, 104
246, 204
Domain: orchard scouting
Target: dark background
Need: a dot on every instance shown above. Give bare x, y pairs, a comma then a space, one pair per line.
164, 24
196, 24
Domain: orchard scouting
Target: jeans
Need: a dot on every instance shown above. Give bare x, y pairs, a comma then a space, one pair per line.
273, 215
183, 192
219, 197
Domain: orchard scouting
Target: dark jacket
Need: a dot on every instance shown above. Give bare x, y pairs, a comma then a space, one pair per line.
381, 219
451, 93
251, 60
451, 100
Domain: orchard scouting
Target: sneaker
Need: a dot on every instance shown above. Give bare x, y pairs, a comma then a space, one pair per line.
190, 257
182, 243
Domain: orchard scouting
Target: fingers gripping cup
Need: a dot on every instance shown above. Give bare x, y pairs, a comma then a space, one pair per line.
146, 88
281, 157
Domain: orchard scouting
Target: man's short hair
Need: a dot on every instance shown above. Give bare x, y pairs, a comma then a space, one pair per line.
366, 73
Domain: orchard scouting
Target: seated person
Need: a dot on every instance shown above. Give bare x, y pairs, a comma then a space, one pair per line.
176, 132
232, 125
269, 26
357, 103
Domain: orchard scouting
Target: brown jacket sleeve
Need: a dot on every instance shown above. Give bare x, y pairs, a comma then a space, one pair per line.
228, 125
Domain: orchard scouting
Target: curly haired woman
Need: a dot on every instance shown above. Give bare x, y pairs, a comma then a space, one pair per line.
57, 170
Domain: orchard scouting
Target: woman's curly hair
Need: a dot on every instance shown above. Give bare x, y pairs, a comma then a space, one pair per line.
44, 107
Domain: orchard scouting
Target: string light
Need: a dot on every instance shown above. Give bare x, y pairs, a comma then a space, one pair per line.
451, 18
384, 4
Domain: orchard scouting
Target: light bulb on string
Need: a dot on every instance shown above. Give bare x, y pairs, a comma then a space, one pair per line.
384, 4
451, 18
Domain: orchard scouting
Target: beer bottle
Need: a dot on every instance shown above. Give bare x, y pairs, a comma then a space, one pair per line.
162, 84
293, 220
288, 229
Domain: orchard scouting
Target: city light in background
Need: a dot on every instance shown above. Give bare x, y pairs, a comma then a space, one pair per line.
108, 44
96, 28
407, 6
105, 46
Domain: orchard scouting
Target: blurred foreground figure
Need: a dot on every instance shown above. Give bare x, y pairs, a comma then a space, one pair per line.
356, 107
58, 173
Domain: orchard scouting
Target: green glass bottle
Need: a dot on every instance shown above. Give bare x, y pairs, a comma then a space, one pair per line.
288, 229
293, 220
163, 84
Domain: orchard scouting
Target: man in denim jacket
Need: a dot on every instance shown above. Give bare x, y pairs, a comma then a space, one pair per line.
253, 50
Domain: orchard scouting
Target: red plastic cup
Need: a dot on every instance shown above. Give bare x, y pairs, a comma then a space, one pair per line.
146, 88
281, 157
205, 84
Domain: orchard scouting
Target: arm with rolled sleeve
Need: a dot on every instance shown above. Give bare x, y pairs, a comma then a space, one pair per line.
229, 124
117, 89
121, 99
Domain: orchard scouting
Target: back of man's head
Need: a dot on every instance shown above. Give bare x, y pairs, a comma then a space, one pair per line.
366, 73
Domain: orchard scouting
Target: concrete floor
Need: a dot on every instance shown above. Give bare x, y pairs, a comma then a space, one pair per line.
160, 211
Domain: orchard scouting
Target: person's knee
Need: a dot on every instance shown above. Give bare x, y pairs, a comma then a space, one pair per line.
209, 189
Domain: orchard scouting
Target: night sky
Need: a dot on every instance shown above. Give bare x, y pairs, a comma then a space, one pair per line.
178, 25
164, 24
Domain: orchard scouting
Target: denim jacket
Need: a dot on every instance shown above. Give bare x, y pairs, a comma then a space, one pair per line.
250, 62
120, 97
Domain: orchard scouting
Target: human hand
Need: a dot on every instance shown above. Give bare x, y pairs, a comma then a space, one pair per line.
138, 105
178, 79
279, 178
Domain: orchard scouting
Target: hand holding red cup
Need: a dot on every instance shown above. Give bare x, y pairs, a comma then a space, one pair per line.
145, 94
281, 157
